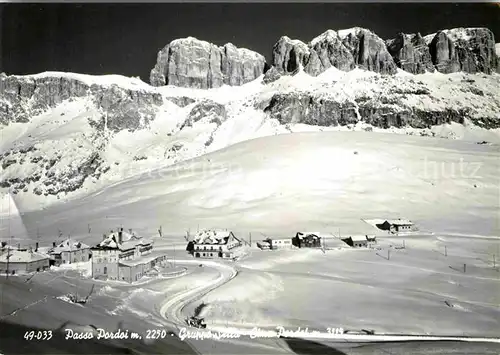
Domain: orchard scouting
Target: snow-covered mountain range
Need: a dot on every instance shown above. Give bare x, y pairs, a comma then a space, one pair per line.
65, 135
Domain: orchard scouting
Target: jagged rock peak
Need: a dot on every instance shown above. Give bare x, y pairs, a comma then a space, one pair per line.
411, 53
470, 50
343, 49
190, 62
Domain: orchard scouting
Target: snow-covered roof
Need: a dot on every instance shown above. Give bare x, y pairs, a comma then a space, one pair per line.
212, 236
140, 260
400, 222
305, 234
68, 245
359, 238
19, 256
6, 247
129, 241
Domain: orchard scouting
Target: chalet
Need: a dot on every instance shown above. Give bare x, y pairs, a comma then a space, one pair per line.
69, 251
275, 243
307, 240
17, 261
124, 256
214, 244
359, 241
264, 244
396, 225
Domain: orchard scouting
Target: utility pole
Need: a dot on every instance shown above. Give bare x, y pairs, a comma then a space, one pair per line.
465, 268
494, 262
8, 255
445, 251
388, 254
70, 256
404, 246
250, 237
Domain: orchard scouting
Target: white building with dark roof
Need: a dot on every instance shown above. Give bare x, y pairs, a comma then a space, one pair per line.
275, 243
214, 243
396, 225
15, 261
68, 252
124, 256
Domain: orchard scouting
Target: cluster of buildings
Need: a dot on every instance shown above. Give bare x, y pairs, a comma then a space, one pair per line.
119, 256
128, 257
316, 240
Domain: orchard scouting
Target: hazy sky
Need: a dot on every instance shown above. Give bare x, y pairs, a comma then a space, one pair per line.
125, 38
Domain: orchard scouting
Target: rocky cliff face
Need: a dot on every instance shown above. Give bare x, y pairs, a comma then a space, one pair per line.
190, 62
388, 101
470, 50
343, 50
93, 129
411, 53
317, 110
61, 163
22, 97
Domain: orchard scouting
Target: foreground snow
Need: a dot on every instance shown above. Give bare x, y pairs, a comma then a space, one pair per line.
278, 185
64, 133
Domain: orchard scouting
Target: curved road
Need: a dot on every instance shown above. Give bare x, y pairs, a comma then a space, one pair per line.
172, 312
172, 309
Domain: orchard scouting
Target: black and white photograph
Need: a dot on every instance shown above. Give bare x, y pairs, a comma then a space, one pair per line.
219, 178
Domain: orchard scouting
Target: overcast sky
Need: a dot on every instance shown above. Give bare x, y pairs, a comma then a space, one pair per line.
125, 38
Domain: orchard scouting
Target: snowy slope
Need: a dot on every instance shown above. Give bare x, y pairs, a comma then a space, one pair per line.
302, 181
69, 151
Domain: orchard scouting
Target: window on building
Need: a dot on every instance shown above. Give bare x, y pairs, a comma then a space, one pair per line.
105, 270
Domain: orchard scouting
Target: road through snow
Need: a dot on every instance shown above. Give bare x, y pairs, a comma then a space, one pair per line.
172, 309
172, 312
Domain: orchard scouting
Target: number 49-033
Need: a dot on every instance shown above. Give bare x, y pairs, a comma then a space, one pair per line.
38, 335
